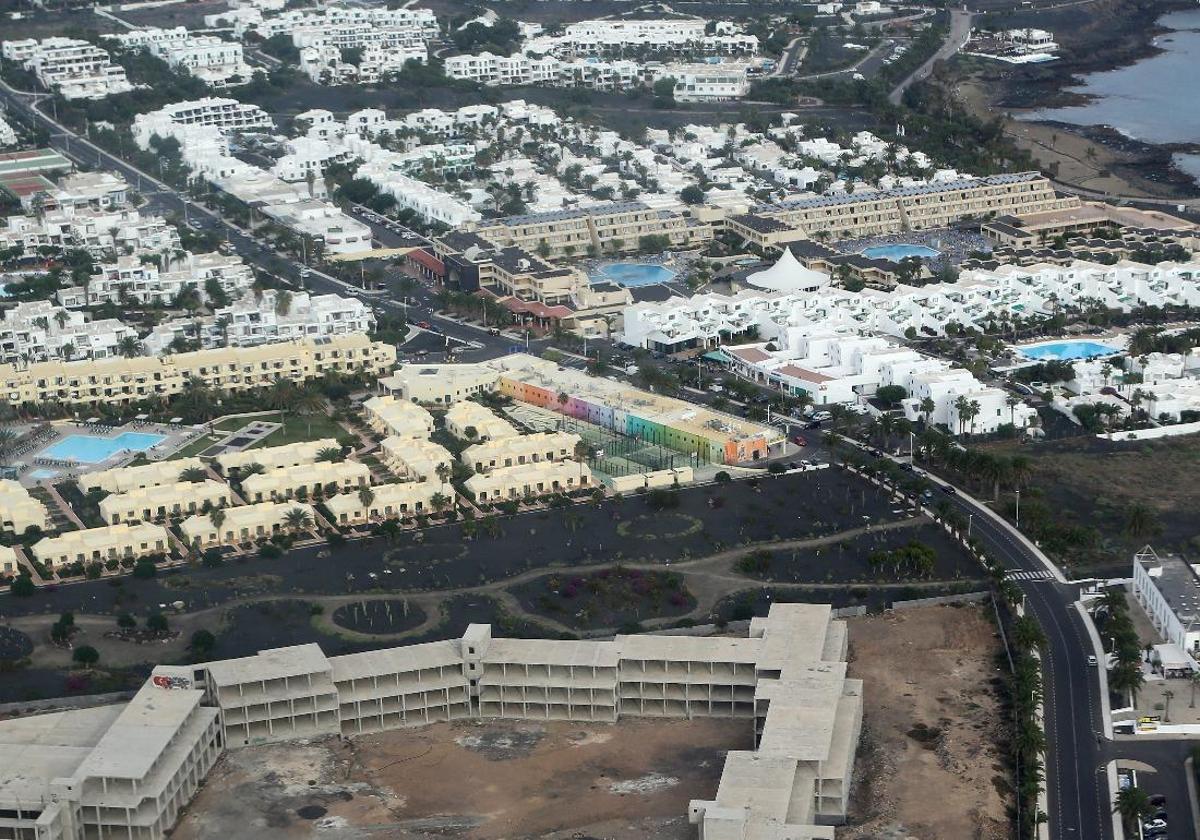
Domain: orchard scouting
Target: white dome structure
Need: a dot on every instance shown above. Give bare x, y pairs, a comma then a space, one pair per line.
788, 275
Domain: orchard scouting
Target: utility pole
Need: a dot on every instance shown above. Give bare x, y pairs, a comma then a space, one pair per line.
1018, 508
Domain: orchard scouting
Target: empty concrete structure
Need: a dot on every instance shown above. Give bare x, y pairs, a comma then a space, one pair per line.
787, 679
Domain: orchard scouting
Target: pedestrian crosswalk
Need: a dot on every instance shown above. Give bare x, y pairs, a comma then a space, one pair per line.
1025, 575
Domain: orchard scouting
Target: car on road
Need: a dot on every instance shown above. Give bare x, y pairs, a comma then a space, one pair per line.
1152, 827
1092, 661
423, 324
799, 440
1158, 800
949, 489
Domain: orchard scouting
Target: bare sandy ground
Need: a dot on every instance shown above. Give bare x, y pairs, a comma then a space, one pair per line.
929, 766
503, 779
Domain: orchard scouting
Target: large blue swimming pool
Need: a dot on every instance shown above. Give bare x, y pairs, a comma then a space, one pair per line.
633, 274
1067, 350
895, 253
89, 449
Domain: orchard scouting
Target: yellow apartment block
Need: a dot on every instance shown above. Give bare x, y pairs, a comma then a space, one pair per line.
933, 205
8, 560
387, 415
119, 381
389, 501
150, 504
326, 476
124, 479
612, 227
467, 415
244, 524
19, 510
414, 458
104, 543
276, 457
540, 479
523, 449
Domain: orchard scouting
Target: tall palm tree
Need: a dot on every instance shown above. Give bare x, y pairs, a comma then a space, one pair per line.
1133, 804
439, 501
365, 497
217, 518
309, 403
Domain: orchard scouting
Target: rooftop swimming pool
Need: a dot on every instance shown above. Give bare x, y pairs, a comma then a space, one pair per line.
39, 474
899, 251
633, 274
1067, 350
91, 449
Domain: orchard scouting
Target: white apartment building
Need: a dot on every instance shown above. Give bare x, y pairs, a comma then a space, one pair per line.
323, 222
130, 278
841, 367
76, 69
980, 298
1168, 589
215, 61
705, 82
226, 115
323, 63
431, 204
89, 190
400, 23
250, 321
120, 230
38, 331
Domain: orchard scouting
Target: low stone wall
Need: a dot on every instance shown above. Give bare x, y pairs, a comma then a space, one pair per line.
964, 598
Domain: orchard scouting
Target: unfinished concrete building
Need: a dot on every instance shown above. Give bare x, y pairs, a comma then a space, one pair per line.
787, 678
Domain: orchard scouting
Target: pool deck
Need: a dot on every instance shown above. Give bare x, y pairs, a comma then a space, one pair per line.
36, 467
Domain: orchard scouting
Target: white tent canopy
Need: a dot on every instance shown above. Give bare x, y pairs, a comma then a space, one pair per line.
788, 275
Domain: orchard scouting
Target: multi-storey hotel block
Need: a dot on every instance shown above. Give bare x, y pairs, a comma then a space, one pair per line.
121, 381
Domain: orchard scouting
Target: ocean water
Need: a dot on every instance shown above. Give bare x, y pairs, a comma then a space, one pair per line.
1152, 100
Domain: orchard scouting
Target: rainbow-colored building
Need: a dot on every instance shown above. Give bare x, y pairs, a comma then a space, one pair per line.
666, 421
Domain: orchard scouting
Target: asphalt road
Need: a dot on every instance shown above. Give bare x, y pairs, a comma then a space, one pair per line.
956, 39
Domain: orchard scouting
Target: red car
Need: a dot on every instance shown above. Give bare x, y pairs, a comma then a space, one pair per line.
423, 324
799, 440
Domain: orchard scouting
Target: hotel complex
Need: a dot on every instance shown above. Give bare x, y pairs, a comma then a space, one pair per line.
124, 381
127, 770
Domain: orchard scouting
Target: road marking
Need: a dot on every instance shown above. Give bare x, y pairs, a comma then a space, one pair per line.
1027, 575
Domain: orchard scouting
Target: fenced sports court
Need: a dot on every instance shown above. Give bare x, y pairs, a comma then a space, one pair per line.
616, 455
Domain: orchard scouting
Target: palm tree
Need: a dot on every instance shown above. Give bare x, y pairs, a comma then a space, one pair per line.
217, 518
194, 475
282, 397
298, 519
129, 346
1027, 634
1127, 677
1140, 520
927, 408
308, 403
443, 472
365, 497
439, 501
332, 454
250, 469
1133, 804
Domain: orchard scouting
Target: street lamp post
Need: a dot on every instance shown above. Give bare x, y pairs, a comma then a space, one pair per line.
970, 522
1018, 508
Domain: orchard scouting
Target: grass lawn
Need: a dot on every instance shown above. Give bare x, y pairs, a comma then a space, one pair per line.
294, 429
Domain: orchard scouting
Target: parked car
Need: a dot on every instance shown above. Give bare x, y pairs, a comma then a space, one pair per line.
423, 324
1154, 826
1158, 800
